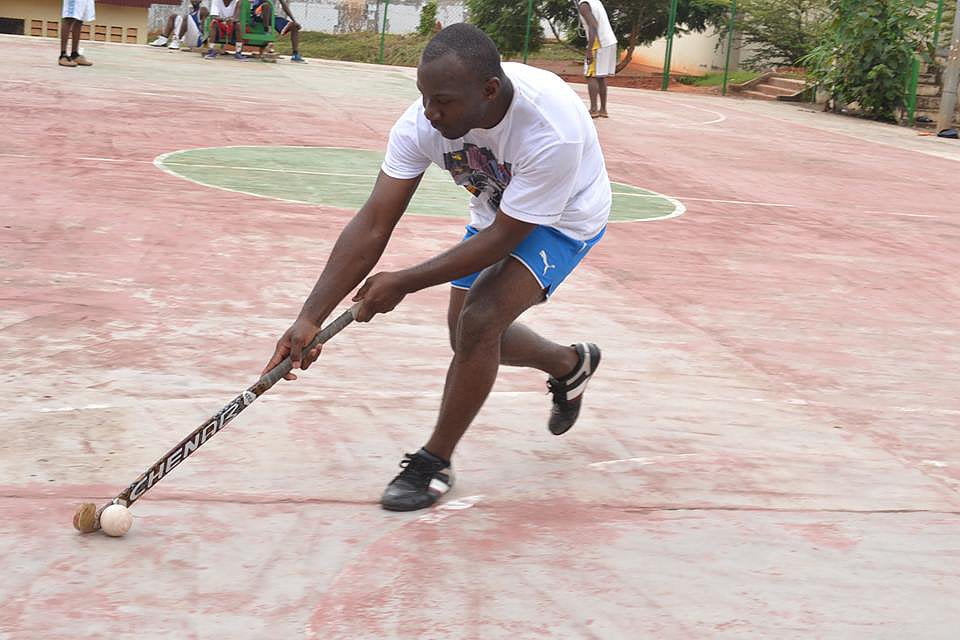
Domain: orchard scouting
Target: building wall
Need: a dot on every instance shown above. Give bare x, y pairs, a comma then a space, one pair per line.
113, 23
693, 53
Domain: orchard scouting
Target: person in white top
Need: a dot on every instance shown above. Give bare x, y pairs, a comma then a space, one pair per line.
222, 26
600, 60
184, 27
521, 141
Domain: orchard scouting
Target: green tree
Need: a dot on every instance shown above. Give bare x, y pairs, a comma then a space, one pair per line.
637, 22
505, 21
428, 18
868, 51
780, 32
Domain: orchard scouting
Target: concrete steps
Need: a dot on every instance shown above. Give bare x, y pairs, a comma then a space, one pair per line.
928, 97
794, 85
773, 90
758, 95
773, 86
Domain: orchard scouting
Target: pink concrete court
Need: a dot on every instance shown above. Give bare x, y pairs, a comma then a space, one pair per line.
768, 451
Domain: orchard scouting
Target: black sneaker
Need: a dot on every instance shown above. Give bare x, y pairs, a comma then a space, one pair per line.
568, 391
423, 480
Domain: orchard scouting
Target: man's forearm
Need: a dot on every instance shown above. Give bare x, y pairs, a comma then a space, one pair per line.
479, 252
355, 253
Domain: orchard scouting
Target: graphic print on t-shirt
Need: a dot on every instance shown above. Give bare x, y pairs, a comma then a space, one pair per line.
477, 169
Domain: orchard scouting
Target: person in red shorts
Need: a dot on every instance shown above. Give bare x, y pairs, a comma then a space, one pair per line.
222, 25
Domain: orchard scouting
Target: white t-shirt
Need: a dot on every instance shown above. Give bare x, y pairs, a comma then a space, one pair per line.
217, 8
604, 30
541, 164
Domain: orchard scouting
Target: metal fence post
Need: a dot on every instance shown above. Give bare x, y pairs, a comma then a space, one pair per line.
936, 27
526, 39
383, 31
671, 29
730, 27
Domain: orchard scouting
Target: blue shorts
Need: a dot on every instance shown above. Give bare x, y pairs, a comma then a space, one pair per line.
549, 255
279, 24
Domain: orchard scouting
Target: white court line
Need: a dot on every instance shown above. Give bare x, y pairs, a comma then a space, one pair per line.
657, 195
898, 213
447, 509
94, 159
719, 116
83, 408
678, 207
199, 98
161, 163
629, 462
264, 169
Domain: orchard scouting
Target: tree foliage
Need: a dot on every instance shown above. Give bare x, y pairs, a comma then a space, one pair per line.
780, 32
505, 21
428, 18
637, 22
868, 52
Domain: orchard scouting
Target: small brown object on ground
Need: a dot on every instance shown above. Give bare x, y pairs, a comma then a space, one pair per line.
85, 519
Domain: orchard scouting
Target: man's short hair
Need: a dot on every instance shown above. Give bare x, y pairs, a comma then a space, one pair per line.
472, 46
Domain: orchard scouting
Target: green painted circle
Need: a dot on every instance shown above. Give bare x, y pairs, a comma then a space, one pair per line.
343, 178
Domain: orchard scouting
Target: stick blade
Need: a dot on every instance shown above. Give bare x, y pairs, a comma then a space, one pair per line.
86, 519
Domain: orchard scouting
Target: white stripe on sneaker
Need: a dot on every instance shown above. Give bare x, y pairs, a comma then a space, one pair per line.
578, 390
438, 487
586, 364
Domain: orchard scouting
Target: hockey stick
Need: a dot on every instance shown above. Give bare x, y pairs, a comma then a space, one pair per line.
87, 517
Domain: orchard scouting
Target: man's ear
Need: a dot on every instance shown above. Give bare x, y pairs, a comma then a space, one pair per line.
492, 88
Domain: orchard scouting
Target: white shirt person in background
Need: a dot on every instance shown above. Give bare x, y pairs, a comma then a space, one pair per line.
600, 60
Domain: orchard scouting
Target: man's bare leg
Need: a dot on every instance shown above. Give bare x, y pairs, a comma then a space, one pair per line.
593, 88
602, 91
295, 38
498, 297
171, 26
520, 346
66, 25
75, 32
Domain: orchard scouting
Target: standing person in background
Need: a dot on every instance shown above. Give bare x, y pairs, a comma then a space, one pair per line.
600, 60
75, 13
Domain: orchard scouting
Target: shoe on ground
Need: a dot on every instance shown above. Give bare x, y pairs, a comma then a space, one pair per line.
210, 55
239, 56
81, 61
161, 41
423, 480
297, 58
174, 44
65, 61
568, 391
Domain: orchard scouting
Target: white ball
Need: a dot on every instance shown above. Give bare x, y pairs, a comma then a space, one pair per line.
116, 520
